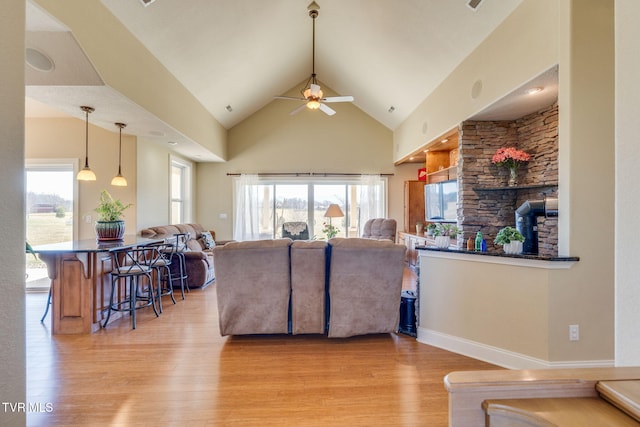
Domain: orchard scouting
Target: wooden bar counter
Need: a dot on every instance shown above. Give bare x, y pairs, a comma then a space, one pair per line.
80, 281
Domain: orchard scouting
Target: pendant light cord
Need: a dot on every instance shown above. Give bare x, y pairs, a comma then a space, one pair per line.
86, 139
120, 153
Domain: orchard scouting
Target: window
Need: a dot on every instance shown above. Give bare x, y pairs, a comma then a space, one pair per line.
262, 205
180, 189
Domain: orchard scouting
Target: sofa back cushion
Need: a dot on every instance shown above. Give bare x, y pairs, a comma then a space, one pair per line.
380, 228
162, 230
253, 285
365, 285
308, 282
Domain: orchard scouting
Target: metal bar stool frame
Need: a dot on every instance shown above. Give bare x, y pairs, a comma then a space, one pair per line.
160, 260
131, 264
179, 245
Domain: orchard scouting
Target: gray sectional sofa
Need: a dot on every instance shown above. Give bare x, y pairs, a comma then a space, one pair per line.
343, 287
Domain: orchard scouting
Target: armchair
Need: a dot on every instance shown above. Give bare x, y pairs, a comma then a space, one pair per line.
295, 230
380, 229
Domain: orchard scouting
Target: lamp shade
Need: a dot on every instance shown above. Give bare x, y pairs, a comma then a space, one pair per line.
333, 211
86, 174
119, 181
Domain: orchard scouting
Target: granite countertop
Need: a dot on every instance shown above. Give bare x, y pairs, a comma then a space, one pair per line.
496, 254
91, 245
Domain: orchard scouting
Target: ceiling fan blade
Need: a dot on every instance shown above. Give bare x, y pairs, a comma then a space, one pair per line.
338, 99
297, 110
327, 110
291, 98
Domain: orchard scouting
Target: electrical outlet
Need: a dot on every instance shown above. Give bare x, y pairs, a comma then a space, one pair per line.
574, 332
87, 219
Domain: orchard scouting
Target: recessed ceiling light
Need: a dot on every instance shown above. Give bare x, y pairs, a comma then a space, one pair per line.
442, 141
172, 143
38, 60
146, 3
533, 90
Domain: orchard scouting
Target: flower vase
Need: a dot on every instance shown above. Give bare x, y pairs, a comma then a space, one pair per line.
513, 177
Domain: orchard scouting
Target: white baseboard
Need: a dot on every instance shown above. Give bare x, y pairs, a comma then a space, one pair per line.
498, 356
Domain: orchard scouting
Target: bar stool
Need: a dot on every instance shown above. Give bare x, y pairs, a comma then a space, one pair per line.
160, 261
132, 266
50, 261
179, 246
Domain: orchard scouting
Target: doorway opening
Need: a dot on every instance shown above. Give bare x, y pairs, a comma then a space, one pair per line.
50, 207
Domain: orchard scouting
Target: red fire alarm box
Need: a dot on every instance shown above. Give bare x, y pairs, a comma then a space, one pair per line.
422, 174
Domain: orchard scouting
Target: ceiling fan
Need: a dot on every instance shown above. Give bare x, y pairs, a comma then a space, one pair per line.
311, 92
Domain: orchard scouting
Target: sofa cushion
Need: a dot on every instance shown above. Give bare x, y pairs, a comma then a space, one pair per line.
380, 228
365, 285
253, 286
207, 240
308, 283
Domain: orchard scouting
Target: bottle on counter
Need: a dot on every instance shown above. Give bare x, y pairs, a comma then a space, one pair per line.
478, 242
483, 246
470, 244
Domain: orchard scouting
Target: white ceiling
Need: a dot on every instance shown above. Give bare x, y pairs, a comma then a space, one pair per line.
242, 53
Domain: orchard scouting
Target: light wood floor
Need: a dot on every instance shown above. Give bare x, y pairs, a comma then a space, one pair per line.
176, 370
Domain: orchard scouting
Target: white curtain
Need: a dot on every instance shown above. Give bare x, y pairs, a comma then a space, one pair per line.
372, 199
246, 208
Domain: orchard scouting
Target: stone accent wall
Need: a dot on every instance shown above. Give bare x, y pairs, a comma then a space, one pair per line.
485, 203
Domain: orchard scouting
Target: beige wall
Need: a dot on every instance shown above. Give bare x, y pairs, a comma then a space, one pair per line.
113, 50
501, 306
12, 226
153, 184
627, 193
65, 138
583, 295
273, 141
521, 48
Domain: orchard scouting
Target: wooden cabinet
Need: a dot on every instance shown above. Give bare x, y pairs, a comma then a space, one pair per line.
442, 158
442, 165
413, 205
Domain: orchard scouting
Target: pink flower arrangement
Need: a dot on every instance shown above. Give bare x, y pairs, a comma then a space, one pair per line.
510, 158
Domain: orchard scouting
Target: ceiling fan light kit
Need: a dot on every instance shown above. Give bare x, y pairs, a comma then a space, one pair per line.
312, 93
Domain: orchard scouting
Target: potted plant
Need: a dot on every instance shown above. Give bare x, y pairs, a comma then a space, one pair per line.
110, 225
431, 228
330, 231
510, 239
444, 233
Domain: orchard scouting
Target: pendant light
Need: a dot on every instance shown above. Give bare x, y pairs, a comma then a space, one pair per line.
86, 174
119, 180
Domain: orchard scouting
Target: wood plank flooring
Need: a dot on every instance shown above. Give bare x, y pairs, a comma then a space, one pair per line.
177, 370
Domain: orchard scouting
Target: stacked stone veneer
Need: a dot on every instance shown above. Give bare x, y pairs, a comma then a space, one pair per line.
491, 209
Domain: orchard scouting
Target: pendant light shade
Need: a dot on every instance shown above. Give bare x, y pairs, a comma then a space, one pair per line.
86, 174
119, 180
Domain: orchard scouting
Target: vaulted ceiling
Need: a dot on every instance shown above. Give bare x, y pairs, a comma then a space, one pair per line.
237, 55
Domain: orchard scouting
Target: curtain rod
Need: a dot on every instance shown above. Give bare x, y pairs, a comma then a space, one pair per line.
319, 174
